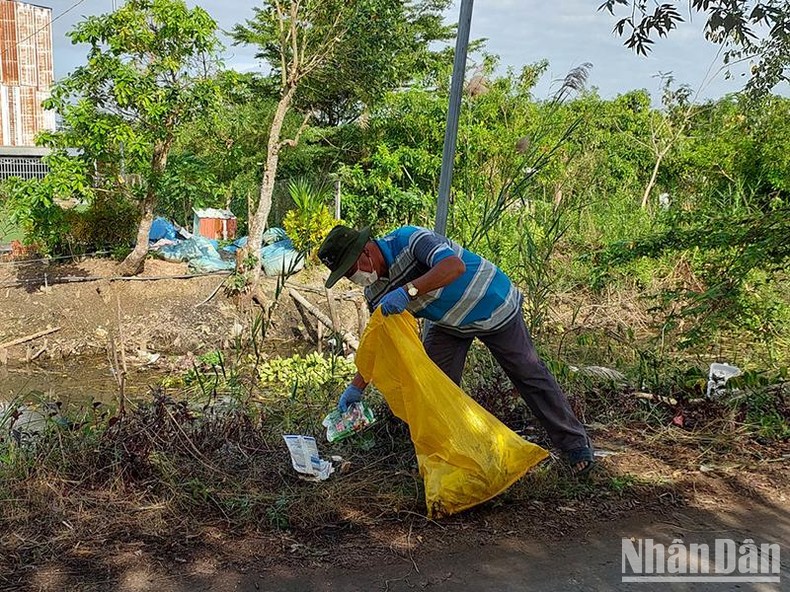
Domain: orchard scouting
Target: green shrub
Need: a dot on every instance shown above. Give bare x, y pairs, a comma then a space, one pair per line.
308, 224
311, 370
105, 224
40, 220
308, 230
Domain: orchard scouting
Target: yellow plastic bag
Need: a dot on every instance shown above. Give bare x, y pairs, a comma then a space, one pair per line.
466, 455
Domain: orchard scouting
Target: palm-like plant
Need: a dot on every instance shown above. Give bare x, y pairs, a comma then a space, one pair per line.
307, 197
310, 221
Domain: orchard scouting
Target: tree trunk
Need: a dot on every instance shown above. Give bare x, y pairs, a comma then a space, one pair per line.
258, 221
135, 261
337, 199
650, 184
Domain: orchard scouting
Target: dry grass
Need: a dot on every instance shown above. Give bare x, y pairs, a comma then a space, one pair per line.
172, 478
165, 472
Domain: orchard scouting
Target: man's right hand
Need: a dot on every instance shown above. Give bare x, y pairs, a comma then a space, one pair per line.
352, 394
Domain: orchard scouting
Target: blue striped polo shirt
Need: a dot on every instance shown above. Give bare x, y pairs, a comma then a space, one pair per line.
483, 299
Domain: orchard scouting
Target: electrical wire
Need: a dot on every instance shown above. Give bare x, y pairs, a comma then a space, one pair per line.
49, 259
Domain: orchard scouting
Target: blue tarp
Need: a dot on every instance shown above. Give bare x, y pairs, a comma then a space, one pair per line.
203, 255
235, 245
161, 228
274, 257
192, 248
281, 257
209, 264
272, 235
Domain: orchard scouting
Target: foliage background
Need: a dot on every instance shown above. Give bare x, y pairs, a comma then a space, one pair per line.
556, 190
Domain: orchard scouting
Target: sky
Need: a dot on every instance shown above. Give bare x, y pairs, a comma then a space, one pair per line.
567, 33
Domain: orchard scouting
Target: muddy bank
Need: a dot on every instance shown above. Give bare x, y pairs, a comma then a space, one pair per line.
156, 323
161, 324
155, 315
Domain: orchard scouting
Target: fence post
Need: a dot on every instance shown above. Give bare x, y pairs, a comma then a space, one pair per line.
337, 199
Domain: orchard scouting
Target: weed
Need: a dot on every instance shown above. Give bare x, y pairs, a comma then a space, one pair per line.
619, 483
120, 252
277, 513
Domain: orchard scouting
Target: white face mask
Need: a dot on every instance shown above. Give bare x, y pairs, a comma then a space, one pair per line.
364, 278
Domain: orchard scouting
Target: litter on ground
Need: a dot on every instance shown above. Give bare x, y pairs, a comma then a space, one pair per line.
305, 458
204, 255
718, 376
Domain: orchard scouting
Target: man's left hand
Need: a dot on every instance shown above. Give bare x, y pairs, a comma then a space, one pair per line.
395, 302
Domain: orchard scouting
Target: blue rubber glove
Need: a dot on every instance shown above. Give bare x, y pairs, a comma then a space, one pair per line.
395, 302
352, 394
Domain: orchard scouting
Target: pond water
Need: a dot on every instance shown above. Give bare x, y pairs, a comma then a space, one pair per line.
73, 381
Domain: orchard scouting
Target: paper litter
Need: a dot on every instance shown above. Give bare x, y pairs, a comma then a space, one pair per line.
305, 458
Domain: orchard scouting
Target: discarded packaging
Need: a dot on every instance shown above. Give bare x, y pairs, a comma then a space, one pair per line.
305, 458
718, 377
340, 425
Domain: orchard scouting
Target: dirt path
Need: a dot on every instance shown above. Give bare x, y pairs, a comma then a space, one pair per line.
513, 543
526, 539
585, 558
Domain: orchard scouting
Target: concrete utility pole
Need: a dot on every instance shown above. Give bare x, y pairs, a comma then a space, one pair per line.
451, 131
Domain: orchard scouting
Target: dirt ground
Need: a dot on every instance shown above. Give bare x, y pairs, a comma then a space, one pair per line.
661, 485
163, 316
509, 544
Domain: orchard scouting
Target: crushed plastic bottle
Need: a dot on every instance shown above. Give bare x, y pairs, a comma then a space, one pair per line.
718, 376
341, 425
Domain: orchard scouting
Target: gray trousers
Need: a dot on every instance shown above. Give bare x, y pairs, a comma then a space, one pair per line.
513, 349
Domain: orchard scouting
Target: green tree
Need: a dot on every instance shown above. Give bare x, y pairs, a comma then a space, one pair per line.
309, 43
515, 194
218, 158
149, 71
727, 223
393, 177
214, 161
738, 228
667, 129
746, 29
35, 205
394, 44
